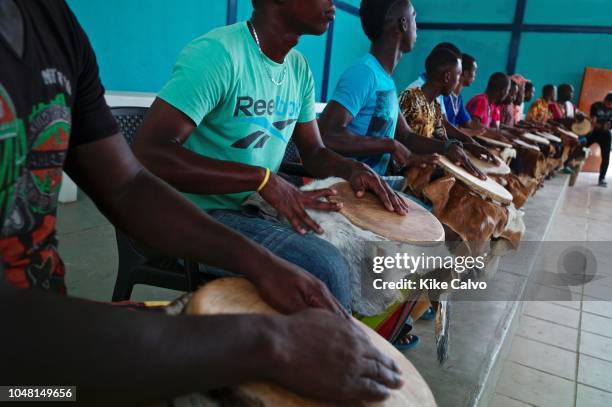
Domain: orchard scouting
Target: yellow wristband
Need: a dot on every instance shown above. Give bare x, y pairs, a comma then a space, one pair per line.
265, 180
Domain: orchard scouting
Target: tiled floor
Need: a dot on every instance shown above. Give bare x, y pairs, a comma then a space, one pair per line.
561, 354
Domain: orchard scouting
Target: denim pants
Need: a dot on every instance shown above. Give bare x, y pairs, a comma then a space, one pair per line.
313, 254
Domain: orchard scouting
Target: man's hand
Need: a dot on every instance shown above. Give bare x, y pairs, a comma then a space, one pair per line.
400, 154
289, 289
479, 151
457, 155
326, 347
363, 179
292, 203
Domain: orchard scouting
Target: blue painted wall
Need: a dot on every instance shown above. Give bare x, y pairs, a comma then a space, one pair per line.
137, 41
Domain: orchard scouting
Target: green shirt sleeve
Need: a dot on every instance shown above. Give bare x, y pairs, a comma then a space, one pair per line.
199, 79
308, 111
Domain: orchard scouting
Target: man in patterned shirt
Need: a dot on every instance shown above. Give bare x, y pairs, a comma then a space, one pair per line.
540, 109
423, 114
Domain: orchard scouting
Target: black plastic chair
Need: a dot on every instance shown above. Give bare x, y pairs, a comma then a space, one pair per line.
291, 168
138, 264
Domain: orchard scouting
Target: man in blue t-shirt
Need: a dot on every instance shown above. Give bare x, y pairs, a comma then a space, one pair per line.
361, 119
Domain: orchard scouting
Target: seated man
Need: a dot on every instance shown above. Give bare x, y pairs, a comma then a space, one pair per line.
423, 115
540, 110
528, 94
53, 116
219, 128
456, 113
601, 116
361, 118
565, 98
420, 81
519, 100
484, 107
452, 131
507, 112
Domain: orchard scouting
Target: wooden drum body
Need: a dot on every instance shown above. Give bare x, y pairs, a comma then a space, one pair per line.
238, 296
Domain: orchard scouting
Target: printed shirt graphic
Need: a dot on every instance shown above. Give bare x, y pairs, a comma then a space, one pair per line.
222, 82
368, 92
39, 124
423, 118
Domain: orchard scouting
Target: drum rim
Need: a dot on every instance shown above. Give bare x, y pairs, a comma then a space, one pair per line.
413, 206
522, 143
469, 180
588, 127
534, 137
500, 163
548, 136
494, 142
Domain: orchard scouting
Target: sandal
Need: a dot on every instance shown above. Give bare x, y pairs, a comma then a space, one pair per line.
406, 340
428, 315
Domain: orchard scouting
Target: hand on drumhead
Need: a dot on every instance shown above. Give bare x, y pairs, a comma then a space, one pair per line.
479, 151
288, 289
292, 203
337, 361
457, 155
363, 179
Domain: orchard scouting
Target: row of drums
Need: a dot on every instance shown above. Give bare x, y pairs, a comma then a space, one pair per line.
469, 216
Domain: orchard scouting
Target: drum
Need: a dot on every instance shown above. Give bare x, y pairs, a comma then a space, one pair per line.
238, 296
520, 193
472, 208
352, 230
498, 167
567, 133
487, 188
526, 145
548, 136
493, 142
582, 128
362, 221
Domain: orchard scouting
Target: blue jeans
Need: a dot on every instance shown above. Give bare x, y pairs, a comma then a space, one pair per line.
313, 254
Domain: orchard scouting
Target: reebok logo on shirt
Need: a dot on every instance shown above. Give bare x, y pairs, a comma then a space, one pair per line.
252, 111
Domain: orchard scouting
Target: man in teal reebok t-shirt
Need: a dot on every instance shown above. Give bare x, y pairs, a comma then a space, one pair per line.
219, 129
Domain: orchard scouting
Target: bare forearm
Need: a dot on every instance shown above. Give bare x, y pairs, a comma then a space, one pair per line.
193, 173
422, 145
118, 356
455, 133
350, 145
323, 163
158, 216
